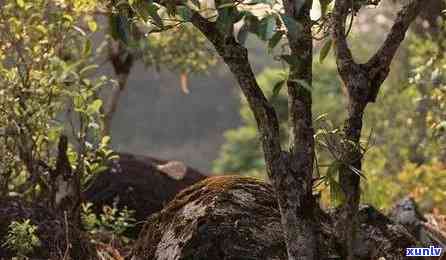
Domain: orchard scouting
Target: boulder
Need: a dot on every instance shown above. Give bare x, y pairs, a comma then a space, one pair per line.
427, 231
140, 183
233, 217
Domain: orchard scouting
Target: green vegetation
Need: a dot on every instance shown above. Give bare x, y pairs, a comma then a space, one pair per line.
406, 149
22, 238
304, 124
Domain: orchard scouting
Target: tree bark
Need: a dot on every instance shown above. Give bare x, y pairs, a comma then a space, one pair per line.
290, 173
301, 155
113, 104
362, 82
122, 61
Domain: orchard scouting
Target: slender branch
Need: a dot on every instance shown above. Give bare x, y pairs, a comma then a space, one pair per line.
236, 57
383, 57
344, 57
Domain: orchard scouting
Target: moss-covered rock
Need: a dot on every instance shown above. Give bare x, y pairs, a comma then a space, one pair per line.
232, 217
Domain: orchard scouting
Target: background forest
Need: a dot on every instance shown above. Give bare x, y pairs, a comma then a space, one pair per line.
79, 85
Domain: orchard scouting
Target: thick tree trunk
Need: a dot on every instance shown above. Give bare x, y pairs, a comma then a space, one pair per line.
289, 178
291, 183
301, 155
362, 82
349, 179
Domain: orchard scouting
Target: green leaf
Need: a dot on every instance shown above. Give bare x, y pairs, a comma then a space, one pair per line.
88, 68
196, 3
105, 141
141, 7
324, 6
87, 50
272, 43
255, 2
303, 83
277, 87
357, 172
290, 59
242, 34
337, 195
325, 50
292, 26
153, 12
92, 25
21, 3
185, 13
94, 106
266, 27
225, 19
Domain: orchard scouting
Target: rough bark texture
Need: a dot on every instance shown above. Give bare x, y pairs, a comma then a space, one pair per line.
232, 217
362, 82
290, 177
302, 241
140, 183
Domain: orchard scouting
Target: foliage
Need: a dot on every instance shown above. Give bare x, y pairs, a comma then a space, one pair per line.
47, 87
393, 147
22, 237
242, 153
409, 146
179, 48
112, 220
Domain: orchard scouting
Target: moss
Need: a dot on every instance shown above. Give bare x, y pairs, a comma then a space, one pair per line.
204, 193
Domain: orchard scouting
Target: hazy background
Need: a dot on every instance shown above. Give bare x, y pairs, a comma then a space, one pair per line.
156, 118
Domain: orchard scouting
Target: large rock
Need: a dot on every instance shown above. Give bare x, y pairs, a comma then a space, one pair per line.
232, 217
406, 213
140, 183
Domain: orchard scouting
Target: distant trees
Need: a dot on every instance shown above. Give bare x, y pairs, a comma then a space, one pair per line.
181, 50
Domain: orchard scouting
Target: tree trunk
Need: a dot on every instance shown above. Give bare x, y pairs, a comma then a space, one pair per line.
291, 183
113, 103
349, 179
122, 61
362, 82
301, 155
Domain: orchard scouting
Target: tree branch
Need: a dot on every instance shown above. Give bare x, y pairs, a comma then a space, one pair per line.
344, 57
379, 63
236, 57
383, 57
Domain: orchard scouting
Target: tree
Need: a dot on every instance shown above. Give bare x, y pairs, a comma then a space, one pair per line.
49, 110
241, 153
180, 50
362, 82
291, 170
